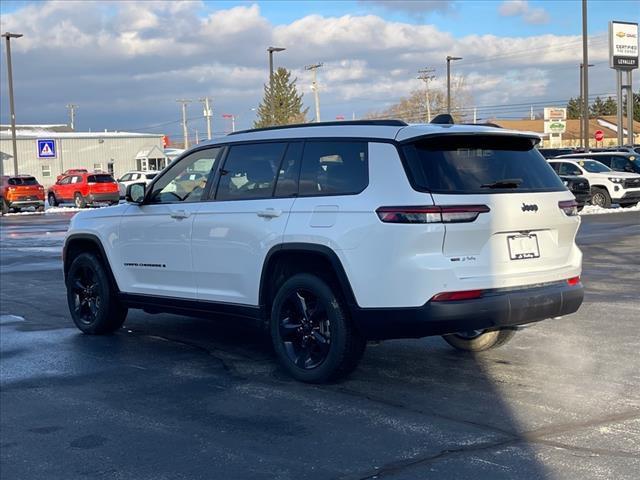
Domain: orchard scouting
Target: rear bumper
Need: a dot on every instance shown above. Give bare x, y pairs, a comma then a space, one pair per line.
496, 308
26, 203
582, 197
103, 197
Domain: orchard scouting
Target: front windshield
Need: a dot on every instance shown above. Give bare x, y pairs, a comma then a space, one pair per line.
592, 166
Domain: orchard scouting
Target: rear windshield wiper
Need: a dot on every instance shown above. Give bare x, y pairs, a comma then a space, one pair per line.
505, 183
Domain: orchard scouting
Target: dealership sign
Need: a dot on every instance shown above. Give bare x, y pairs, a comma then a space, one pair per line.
555, 126
623, 45
553, 113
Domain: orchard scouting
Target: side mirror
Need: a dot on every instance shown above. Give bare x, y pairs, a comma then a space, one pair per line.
135, 193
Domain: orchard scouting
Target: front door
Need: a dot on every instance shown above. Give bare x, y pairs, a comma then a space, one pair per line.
156, 236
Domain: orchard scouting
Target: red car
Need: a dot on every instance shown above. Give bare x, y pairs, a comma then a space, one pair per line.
21, 191
71, 171
84, 189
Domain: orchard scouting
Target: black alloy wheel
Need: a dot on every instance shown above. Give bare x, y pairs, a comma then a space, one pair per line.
91, 296
313, 336
86, 298
305, 329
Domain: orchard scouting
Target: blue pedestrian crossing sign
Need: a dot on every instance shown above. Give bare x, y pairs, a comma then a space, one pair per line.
46, 148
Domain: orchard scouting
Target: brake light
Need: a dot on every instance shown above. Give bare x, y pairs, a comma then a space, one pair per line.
452, 296
569, 207
573, 281
431, 213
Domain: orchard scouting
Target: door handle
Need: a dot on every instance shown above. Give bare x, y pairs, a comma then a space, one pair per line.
269, 213
179, 214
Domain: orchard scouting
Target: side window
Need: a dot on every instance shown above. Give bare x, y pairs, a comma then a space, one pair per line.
186, 180
556, 167
287, 183
65, 181
126, 177
333, 168
570, 169
619, 164
250, 171
76, 179
604, 159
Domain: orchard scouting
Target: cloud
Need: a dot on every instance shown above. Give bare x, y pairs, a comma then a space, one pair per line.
125, 63
517, 8
416, 8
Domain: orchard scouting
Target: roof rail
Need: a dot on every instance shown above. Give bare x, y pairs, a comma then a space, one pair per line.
485, 124
383, 123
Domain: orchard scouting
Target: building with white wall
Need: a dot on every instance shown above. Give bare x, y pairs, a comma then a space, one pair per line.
114, 152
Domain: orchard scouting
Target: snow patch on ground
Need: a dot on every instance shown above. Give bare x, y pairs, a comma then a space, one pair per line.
595, 210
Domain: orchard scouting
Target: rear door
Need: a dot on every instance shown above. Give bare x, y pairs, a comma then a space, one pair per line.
246, 216
525, 230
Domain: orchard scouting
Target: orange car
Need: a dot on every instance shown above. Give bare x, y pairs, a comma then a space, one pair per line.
21, 191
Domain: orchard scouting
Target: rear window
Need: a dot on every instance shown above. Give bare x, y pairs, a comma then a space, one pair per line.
100, 179
23, 181
151, 176
479, 164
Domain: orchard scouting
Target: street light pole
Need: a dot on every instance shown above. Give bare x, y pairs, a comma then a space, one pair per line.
426, 75
8, 36
582, 100
585, 77
271, 50
449, 59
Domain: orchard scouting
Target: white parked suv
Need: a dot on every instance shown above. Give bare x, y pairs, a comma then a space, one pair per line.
136, 176
337, 233
607, 186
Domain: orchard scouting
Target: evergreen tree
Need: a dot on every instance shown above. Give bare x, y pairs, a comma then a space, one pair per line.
573, 108
636, 106
281, 105
610, 106
597, 108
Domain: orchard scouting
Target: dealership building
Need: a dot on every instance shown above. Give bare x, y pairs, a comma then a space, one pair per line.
45, 151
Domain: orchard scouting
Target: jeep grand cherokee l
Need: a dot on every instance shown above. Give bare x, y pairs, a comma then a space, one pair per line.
337, 233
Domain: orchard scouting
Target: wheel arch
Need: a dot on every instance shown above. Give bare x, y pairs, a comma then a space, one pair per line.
289, 258
78, 243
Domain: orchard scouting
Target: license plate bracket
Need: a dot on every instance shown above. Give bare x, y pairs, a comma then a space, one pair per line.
523, 246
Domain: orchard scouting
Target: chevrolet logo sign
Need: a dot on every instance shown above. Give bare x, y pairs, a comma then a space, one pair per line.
620, 34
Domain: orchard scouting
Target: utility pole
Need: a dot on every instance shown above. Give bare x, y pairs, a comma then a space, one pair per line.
314, 86
271, 50
585, 77
185, 132
427, 74
197, 137
72, 115
208, 113
531, 116
8, 36
449, 59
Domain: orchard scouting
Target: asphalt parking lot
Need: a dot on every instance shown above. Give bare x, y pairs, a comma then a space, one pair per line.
170, 397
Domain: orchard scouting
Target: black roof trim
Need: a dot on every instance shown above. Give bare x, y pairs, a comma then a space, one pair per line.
379, 123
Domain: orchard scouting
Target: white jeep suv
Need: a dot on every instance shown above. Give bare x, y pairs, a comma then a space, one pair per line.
607, 186
337, 233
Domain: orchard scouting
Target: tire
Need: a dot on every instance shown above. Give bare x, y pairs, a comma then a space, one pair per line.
4, 206
314, 339
79, 201
40, 209
91, 297
600, 197
52, 200
580, 208
628, 204
479, 340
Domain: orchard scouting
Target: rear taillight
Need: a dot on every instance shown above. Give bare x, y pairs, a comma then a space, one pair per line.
573, 281
569, 207
431, 213
452, 296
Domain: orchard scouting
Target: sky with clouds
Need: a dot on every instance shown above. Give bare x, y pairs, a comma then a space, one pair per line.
126, 62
